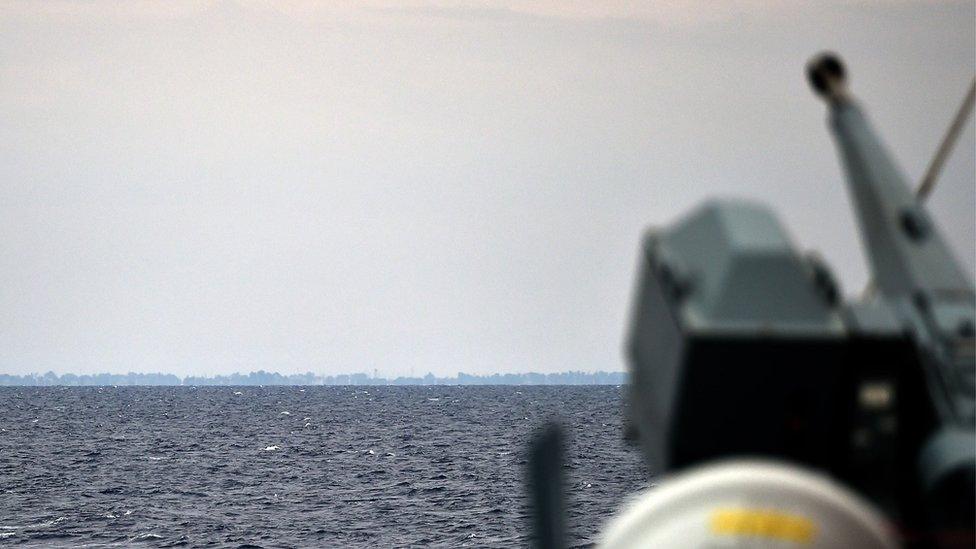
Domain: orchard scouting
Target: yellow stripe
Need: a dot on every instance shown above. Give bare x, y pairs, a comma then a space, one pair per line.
763, 523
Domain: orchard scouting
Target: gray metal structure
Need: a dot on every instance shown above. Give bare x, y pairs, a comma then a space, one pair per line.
915, 273
741, 346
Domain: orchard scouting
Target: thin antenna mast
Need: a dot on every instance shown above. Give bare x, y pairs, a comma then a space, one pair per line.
948, 142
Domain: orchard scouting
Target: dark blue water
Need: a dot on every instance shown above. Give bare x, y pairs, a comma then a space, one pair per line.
291, 466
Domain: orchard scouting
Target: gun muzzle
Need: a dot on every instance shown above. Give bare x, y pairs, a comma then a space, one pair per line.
828, 78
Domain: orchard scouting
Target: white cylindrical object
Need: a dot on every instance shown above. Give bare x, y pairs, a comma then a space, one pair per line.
749, 504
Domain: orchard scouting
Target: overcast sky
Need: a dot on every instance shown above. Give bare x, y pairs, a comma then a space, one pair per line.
209, 187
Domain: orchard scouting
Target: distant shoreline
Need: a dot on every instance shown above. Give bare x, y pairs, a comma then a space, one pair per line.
261, 377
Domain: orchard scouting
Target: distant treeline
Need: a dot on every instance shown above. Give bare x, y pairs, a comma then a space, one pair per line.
271, 378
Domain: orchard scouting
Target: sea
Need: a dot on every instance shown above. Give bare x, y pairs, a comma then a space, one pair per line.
315, 466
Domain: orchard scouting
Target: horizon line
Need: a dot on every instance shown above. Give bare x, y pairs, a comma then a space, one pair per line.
262, 377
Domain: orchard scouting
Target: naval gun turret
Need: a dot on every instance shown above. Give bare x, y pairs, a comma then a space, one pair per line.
741, 346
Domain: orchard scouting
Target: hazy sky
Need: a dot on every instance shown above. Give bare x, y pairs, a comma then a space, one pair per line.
209, 187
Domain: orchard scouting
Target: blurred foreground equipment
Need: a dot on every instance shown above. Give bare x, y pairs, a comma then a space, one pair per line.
750, 504
742, 347
546, 488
